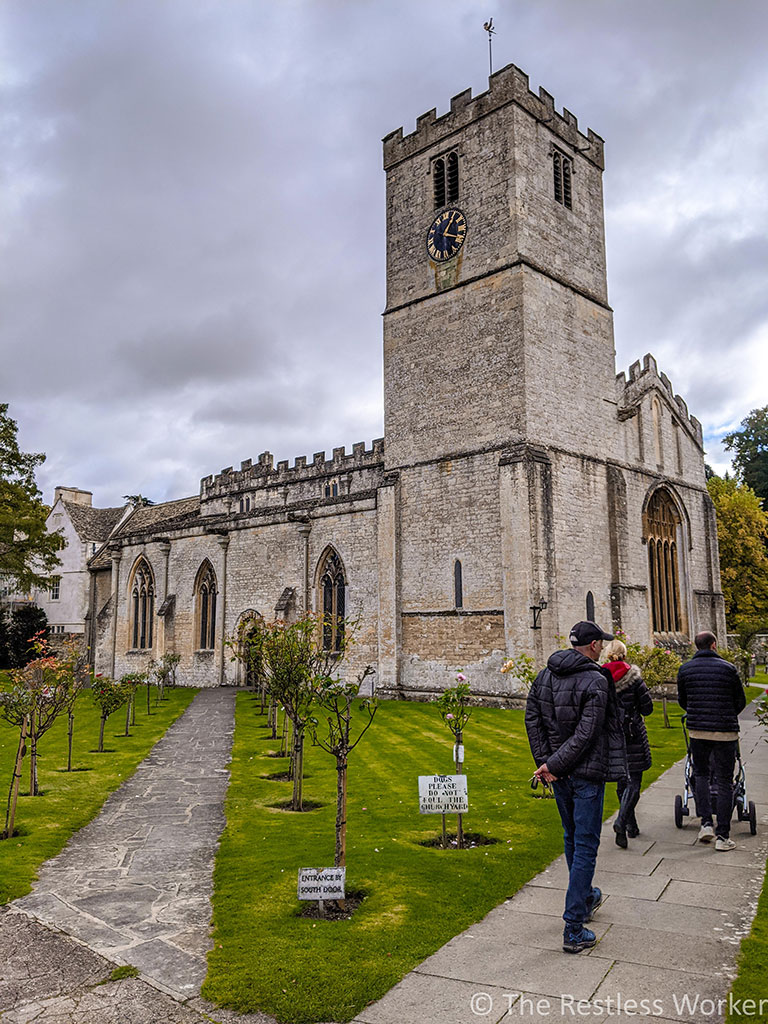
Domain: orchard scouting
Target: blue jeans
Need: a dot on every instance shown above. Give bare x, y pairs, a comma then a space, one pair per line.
580, 804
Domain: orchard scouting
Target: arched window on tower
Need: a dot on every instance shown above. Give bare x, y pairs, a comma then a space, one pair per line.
142, 591
205, 607
662, 523
458, 585
445, 179
332, 597
438, 183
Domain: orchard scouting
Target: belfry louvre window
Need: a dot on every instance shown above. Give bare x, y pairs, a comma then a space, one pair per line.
445, 179
332, 595
205, 600
562, 170
142, 606
661, 527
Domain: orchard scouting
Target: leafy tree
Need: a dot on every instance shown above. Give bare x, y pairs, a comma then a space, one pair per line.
108, 696
335, 701
742, 528
138, 500
28, 552
27, 623
454, 705
130, 683
750, 447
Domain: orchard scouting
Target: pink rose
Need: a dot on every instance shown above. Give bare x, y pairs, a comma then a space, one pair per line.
461, 677
449, 718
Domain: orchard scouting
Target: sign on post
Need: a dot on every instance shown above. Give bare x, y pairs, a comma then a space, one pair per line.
322, 884
443, 794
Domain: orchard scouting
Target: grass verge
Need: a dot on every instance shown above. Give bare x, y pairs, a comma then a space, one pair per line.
71, 799
300, 969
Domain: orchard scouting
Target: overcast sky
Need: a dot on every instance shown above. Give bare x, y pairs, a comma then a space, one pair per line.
192, 211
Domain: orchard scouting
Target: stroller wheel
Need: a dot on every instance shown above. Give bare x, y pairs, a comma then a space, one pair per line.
679, 811
752, 818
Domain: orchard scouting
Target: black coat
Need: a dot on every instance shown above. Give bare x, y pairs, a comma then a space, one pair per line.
635, 701
709, 689
573, 721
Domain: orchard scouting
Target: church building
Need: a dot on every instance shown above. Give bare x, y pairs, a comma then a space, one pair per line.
521, 485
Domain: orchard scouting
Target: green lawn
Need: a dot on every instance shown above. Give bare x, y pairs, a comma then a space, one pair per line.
302, 970
71, 799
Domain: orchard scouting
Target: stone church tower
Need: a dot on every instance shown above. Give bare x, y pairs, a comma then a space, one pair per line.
520, 486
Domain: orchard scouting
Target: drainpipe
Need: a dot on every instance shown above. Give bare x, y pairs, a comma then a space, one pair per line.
223, 541
116, 555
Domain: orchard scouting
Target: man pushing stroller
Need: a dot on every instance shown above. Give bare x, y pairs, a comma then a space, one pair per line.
710, 691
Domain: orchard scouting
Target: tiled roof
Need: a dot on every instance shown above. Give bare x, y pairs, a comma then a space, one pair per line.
93, 523
149, 518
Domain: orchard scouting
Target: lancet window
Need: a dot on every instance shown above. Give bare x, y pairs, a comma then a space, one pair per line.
205, 601
333, 601
142, 606
662, 529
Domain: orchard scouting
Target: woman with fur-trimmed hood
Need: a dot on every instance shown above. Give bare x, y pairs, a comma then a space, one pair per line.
635, 701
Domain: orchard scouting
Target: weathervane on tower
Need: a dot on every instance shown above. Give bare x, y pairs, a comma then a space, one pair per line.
488, 26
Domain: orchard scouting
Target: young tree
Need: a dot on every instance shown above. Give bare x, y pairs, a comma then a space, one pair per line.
15, 707
130, 683
455, 711
750, 447
28, 552
335, 700
42, 689
742, 529
108, 696
164, 671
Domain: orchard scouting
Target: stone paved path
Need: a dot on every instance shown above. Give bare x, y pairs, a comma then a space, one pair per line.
671, 926
135, 884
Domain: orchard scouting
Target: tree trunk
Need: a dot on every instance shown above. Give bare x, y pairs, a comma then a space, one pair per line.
133, 707
13, 793
272, 719
149, 687
459, 771
127, 716
297, 803
70, 732
33, 791
101, 733
340, 858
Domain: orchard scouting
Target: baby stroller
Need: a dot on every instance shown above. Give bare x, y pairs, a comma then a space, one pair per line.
745, 809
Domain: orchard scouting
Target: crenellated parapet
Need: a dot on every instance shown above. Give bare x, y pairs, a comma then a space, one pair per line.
510, 85
644, 378
262, 474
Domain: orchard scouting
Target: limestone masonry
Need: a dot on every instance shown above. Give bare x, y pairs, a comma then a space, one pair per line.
520, 483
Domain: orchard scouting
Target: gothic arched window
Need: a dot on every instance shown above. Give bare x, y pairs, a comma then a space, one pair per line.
142, 590
205, 604
562, 170
445, 179
333, 601
662, 522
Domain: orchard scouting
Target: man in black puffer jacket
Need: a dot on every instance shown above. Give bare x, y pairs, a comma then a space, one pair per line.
577, 741
710, 691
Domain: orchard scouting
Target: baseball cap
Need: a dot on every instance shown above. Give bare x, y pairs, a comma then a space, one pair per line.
583, 633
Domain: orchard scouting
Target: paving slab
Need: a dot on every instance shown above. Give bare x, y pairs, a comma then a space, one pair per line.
421, 999
700, 894
677, 995
135, 884
644, 887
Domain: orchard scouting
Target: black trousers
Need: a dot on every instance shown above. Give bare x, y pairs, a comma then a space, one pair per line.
715, 758
628, 792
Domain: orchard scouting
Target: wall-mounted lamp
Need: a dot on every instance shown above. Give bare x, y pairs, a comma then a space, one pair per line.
537, 609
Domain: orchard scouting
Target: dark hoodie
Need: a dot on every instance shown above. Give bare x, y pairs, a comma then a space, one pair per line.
573, 721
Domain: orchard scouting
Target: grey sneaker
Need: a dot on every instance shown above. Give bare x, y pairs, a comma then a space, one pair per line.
723, 845
706, 834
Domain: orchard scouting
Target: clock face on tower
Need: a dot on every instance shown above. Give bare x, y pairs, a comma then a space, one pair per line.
446, 235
